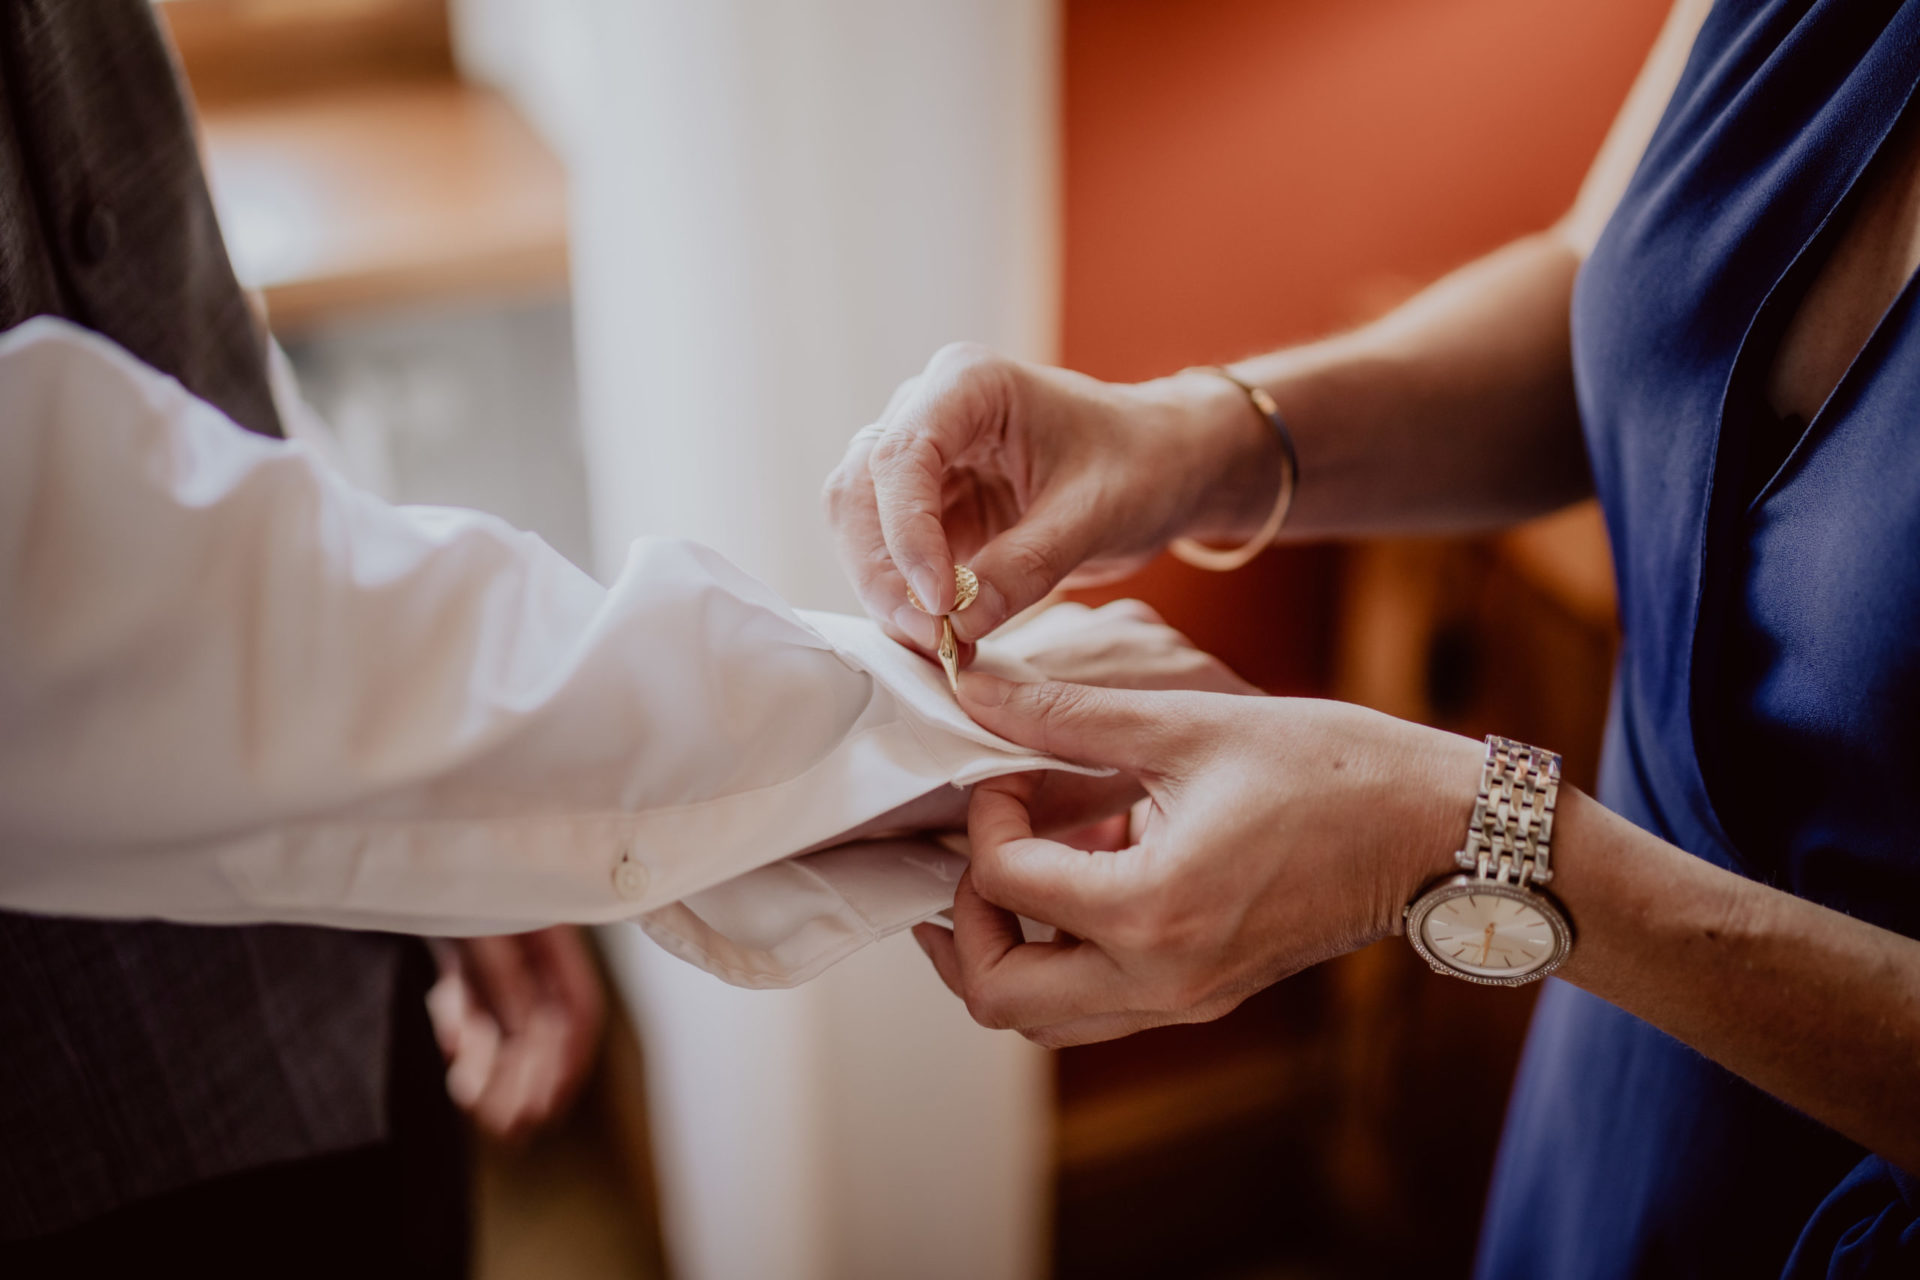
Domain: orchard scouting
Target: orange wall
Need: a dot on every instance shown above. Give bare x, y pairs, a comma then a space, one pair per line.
1244, 173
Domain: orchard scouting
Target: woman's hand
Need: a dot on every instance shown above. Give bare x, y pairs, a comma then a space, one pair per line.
1036, 477
1122, 645
1280, 832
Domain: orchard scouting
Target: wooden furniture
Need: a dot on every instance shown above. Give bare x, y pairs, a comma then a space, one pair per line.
353, 168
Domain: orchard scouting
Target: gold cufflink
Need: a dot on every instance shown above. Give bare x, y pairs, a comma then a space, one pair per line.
966, 589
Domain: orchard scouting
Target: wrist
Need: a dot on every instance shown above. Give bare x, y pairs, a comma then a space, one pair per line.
1227, 455
1491, 921
1441, 782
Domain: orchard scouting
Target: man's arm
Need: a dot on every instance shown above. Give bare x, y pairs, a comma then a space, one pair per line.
235, 688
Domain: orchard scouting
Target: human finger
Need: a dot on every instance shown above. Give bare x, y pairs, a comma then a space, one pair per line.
1120, 645
987, 925
1139, 730
1109, 835
1011, 984
518, 1094
1063, 802
938, 944
1021, 565
963, 394
860, 546
566, 972
1072, 889
501, 979
471, 1063
989, 930
1131, 610
450, 1001
575, 994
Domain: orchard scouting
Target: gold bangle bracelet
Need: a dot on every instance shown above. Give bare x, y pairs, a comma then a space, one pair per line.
1189, 551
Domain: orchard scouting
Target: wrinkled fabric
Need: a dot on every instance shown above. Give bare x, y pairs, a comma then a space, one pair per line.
1867, 1229
237, 689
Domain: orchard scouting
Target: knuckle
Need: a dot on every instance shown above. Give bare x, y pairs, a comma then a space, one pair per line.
1034, 562
1061, 706
977, 375
1216, 672
901, 394
1134, 610
1186, 731
988, 872
986, 1008
896, 448
837, 492
959, 359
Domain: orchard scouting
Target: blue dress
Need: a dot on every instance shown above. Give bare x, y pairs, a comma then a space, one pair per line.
1766, 711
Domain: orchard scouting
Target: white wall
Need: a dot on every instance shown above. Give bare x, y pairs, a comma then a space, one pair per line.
781, 208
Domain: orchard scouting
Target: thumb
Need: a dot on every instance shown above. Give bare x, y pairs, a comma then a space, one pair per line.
1134, 730
1018, 568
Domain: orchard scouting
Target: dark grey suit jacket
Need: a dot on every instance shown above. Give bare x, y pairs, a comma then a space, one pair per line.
139, 1057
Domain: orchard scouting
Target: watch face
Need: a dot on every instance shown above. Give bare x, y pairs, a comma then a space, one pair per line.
1491, 932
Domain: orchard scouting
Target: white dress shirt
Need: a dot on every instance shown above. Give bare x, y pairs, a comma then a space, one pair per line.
235, 688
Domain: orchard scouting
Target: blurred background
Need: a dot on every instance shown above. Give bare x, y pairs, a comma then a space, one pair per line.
614, 267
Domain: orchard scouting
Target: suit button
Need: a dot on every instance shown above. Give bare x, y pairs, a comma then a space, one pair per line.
96, 232
630, 880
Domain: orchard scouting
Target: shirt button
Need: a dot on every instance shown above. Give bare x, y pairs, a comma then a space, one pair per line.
96, 232
630, 880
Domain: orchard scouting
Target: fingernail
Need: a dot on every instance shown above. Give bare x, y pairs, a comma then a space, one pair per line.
926, 585
982, 689
913, 624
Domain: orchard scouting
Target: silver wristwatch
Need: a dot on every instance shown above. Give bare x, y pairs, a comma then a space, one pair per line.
1492, 922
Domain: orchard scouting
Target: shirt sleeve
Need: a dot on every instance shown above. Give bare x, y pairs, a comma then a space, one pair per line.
234, 688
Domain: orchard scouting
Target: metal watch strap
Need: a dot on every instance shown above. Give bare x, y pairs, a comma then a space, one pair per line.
1510, 837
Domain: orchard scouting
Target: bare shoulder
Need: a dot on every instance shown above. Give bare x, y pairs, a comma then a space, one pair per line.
1633, 126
